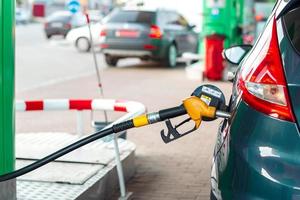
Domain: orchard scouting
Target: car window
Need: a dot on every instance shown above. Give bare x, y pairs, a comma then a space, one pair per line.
78, 19
182, 21
173, 18
263, 9
143, 17
65, 17
292, 26
164, 18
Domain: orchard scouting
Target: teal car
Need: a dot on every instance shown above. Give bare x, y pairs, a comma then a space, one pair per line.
257, 152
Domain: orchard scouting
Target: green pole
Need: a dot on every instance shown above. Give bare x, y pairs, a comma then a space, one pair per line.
7, 118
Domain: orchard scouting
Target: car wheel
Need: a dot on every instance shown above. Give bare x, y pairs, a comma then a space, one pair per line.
111, 61
48, 36
83, 44
171, 59
212, 196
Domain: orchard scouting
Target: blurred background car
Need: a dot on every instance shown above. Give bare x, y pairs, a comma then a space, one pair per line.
80, 37
262, 12
155, 34
95, 15
22, 16
61, 22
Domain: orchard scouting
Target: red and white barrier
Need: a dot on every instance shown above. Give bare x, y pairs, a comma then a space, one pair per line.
82, 104
131, 108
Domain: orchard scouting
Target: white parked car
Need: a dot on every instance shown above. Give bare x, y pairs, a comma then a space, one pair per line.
22, 16
80, 37
95, 15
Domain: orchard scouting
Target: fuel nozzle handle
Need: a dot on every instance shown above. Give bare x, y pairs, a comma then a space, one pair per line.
193, 106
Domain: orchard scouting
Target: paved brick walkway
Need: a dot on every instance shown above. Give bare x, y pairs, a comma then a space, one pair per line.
179, 170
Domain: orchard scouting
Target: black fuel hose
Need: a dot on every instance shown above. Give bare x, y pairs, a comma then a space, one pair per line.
100, 134
162, 115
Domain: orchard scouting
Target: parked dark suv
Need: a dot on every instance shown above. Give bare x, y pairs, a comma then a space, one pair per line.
161, 35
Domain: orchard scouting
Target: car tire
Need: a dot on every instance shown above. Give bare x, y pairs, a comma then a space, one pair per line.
48, 36
111, 61
171, 58
83, 44
212, 196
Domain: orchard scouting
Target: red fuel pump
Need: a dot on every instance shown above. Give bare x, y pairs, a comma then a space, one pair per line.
39, 9
214, 45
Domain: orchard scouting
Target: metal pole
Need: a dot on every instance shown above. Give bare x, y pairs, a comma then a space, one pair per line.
79, 123
119, 168
95, 62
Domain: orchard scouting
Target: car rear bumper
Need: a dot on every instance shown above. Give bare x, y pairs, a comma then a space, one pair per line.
127, 53
56, 31
257, 157
132, 47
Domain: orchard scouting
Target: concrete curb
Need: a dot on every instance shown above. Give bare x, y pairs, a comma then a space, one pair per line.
106, 186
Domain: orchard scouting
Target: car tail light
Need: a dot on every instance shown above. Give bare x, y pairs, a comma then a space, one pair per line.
103, 33
104, 46
149, 47
262, 82
46, 25
155, 32
259, 18
68, 26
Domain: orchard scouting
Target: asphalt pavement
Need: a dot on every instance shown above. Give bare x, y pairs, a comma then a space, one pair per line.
43, 62
52, 69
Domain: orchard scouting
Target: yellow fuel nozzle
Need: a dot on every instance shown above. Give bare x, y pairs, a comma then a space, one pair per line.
196, 109
193, 106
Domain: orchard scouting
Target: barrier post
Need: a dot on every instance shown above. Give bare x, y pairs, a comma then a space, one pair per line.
79, 125
7, 65
119, 169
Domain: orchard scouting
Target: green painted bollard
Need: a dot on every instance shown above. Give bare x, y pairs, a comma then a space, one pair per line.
7, 92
